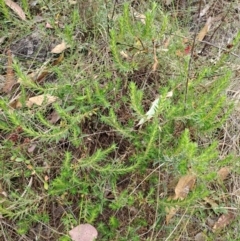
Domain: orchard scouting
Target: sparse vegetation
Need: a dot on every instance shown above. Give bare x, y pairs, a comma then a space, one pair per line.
128, 126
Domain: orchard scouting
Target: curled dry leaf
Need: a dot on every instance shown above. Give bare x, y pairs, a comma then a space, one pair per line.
54, 117
3, 195
40, 100
38, 75
31, 148
201, 35
2, 39
124, 54
48, 25
16, 8
204, 10
15, 103
185, 184
72, 2
10, 77
167, 42
139, 16
170, 212
151, 112
59, 48
155, 64
83, 232
223, 221
211, 202
153, 109
223, 173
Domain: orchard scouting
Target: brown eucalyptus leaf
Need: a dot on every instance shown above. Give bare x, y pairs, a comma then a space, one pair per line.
40, 100
2, 39
211, 202
155, 64
16, 8
204, 10
10, 77
31, 148
59, 48
83, 232
139, 16
201, 35
223, 221
223, 173
54, 117
170, 213
185, 184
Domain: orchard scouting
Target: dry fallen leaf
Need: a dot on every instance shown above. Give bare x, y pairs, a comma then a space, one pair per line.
153, 109
31, 148
124, 54
58, 60
41, 99
83, 232
59, 48
139, 16
15, 103
170, 212
167, 42
223, 173
48, 25
201, 35
10, 78
54, 117
3, 195
155, 64
2, 39
185, 184
204, 10
211, 202
150, 112
223, 221
72, 2
16, 8
38, 75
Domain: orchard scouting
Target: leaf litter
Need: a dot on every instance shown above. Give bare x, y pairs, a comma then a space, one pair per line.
59, 48
183, 187
10, 77
224, 220
223, 173
40, 100
16, 8
201, 35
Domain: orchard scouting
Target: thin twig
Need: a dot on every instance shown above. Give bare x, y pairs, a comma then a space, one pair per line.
112, 15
